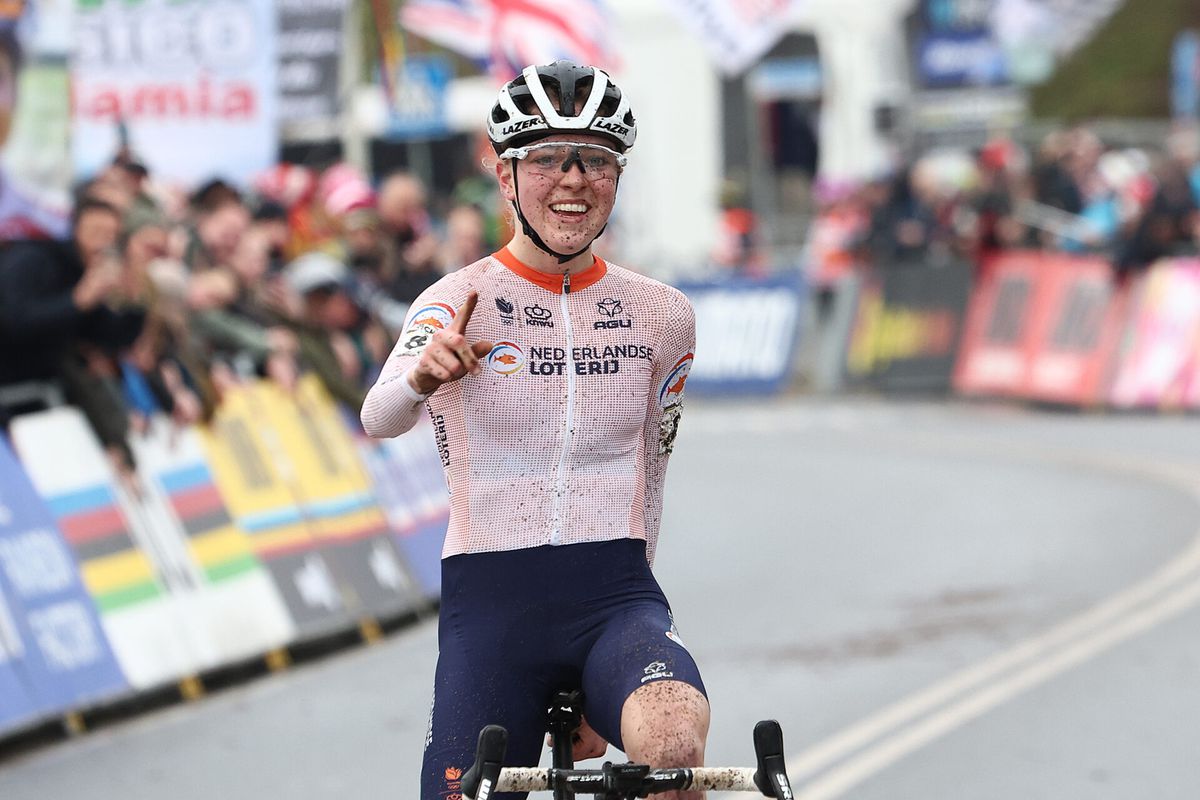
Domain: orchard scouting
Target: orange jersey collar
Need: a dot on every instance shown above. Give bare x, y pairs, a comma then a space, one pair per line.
552, 283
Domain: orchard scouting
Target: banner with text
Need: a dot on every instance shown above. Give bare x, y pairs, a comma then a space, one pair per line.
908, 327
746, 334
310, 53
53, 652
188, 85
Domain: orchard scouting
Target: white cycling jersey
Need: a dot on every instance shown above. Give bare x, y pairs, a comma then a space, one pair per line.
564, 435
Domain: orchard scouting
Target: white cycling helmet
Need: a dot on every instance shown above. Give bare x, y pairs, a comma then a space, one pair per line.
525, 108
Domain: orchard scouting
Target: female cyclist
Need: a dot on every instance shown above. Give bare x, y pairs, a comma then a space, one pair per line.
554, 380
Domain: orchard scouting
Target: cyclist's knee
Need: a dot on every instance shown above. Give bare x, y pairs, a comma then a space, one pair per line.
665, 724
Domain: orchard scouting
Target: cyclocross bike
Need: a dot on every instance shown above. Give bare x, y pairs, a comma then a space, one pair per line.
617, 781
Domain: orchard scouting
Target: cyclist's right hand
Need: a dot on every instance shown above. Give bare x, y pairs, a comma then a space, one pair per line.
448, 356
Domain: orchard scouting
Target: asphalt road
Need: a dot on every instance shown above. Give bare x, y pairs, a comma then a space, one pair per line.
936, 601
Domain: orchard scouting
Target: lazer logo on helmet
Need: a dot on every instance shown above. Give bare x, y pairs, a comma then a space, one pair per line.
614, 127
522, 125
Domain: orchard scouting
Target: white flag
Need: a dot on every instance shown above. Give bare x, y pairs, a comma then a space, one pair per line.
736, 32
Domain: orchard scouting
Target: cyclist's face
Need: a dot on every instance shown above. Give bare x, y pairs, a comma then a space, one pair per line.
567, 209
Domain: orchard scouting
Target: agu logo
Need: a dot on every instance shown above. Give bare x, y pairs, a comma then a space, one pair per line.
437, 315
672, 388
506, 358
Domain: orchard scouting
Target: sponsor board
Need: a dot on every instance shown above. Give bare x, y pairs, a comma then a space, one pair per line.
54, 654
1159, 359
746, 334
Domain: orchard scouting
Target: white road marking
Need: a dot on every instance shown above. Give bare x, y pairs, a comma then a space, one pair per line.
1171, 590
1042, 646
857, 769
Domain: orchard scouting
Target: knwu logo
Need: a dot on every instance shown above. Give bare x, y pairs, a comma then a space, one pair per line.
537, 316
609, 307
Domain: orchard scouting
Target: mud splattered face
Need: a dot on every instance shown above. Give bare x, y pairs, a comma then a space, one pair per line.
568, 208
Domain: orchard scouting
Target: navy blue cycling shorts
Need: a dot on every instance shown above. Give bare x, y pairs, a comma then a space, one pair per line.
516, 626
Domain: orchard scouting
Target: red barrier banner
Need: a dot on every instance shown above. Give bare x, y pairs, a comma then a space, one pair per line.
1076, 327
999, 337
1159, 360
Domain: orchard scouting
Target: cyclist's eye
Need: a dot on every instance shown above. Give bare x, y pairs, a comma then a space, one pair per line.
599, 162
543, 162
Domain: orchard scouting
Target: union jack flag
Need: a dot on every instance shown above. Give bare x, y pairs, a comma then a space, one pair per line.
506, 35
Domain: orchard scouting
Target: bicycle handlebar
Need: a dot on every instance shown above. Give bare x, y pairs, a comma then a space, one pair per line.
598, 781
628, 780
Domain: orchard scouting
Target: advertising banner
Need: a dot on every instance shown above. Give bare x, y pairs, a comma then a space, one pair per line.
956, 59
255, 481
1000, 338
410, 483
17, 706
53, 652
336, 496
746, 334
35, 167
1076, 331
310, 53
233, 598
1159, 360
907, 334
192, 81
97, 516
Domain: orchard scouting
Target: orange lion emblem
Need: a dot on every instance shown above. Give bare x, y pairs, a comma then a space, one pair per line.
453, 773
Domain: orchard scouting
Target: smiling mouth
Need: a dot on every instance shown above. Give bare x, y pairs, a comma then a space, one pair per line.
569, 209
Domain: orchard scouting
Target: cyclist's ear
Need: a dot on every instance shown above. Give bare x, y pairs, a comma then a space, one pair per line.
504, 177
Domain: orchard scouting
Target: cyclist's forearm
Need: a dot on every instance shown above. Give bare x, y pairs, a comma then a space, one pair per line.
392, 406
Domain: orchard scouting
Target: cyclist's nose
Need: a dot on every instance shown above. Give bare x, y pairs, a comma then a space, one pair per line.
572, 161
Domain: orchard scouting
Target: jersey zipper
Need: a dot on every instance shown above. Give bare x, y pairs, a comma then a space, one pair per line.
560, 486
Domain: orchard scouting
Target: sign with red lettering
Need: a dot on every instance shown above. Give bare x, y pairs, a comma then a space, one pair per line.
191, 84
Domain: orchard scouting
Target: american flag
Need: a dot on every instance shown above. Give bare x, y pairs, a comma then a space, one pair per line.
507, 35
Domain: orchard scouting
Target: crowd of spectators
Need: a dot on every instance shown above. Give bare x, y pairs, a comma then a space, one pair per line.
1072, 192
160, 303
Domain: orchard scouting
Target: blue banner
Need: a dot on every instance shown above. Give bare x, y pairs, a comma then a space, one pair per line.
16, 704
746, 333
54, 643
953, 60
1185, 76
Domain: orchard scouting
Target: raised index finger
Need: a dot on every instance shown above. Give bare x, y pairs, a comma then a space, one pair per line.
459, 325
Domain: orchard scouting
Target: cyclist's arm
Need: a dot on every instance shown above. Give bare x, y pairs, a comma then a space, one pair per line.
392, 405
672, 363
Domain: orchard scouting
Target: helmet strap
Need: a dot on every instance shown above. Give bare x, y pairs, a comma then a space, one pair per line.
535, 237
